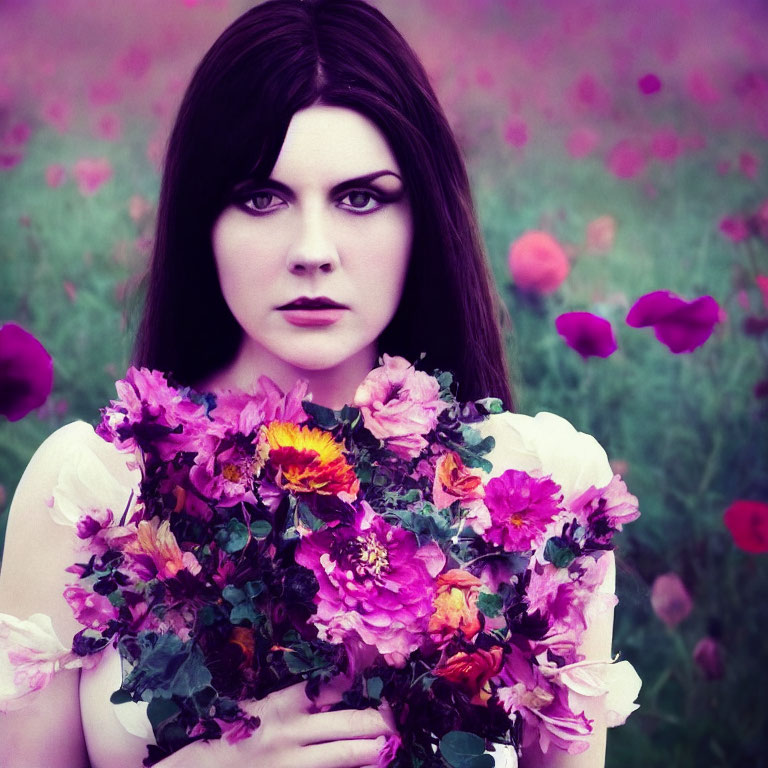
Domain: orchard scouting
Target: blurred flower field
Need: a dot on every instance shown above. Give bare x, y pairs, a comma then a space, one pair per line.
616, 151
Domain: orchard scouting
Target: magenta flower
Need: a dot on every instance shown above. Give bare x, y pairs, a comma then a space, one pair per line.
26, 372
91, 173
606, 509
376, 584
521, 506
400, 405
734, 228
678, 324
708, 656
649, 84
670, 599
590, 335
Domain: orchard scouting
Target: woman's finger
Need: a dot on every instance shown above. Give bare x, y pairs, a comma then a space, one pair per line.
350, 753
343, 724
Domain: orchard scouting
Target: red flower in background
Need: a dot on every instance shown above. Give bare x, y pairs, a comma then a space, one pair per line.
537, 262
590, 335
748, 523
26, 372
680, 325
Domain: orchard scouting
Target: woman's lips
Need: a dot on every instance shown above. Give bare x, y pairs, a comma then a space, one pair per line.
307, 318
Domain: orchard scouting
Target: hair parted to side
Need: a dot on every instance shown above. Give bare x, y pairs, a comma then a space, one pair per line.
276, 59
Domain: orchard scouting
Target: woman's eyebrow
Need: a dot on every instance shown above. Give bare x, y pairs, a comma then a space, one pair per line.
358, 181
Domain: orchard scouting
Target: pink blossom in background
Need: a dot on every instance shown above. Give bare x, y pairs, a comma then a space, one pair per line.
58, 114
666, 145
762, 284
18, 134
702, 89
734, 228
104, 92
760, 221
587, 334
516, 133
10, 158
680, 325
71, 290
91, 173
581, 142
138, 208
649, 84
135, 62
55, 175
537, 262
626, 159
108, 127
670, 599
747, 521
601, 234
26, 372
748, 164
708, 657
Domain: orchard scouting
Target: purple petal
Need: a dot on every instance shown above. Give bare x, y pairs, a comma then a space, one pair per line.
680, 325
588, 334
26, 372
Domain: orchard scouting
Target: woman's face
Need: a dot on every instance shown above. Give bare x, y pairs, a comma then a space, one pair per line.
312, 261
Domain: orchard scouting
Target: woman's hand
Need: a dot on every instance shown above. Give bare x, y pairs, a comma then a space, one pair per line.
296, 731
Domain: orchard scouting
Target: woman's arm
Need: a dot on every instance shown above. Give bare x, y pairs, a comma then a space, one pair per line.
596, 645
47, 732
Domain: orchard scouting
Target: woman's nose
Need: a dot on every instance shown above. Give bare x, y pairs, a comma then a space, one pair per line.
313, 249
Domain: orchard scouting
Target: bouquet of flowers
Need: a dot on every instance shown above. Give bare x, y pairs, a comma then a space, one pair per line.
273, 541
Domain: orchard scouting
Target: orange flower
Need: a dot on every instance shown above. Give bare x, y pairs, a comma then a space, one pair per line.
454, 480
156, 540
473, 671
244, 639
309, 460
455, 606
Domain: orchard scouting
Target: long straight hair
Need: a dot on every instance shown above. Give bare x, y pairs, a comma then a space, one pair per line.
276, 59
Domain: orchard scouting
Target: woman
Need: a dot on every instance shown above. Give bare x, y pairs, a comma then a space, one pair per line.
315, 211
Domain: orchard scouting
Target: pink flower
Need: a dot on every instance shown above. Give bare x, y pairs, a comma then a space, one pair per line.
55, 175
400, 405
30, 655
376, 584
626, 159
92, 610
521, 506
588, 334
58, 114
543, 705
108, 127
670, 599
748, 523
26, 372
581, 142
601, 234
708, 656
91, 173
762, 284
649, 84
734, 228
748, 164
537, 262
607, 509
678, 324
516, 133
665, 145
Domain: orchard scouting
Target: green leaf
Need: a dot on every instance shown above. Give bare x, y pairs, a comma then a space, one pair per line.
260, 529
160, 711
233, 595
374, 687
461, 749
120, 696
325, 417
490, 604
557, 554
243, 612
234, 537
192, 676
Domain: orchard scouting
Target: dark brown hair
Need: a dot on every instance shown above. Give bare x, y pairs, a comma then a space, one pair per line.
276, 59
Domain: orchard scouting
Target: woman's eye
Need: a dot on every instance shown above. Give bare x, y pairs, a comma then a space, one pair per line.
360, 201
262, 201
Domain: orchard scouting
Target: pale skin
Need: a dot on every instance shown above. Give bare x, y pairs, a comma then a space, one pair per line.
325, 237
